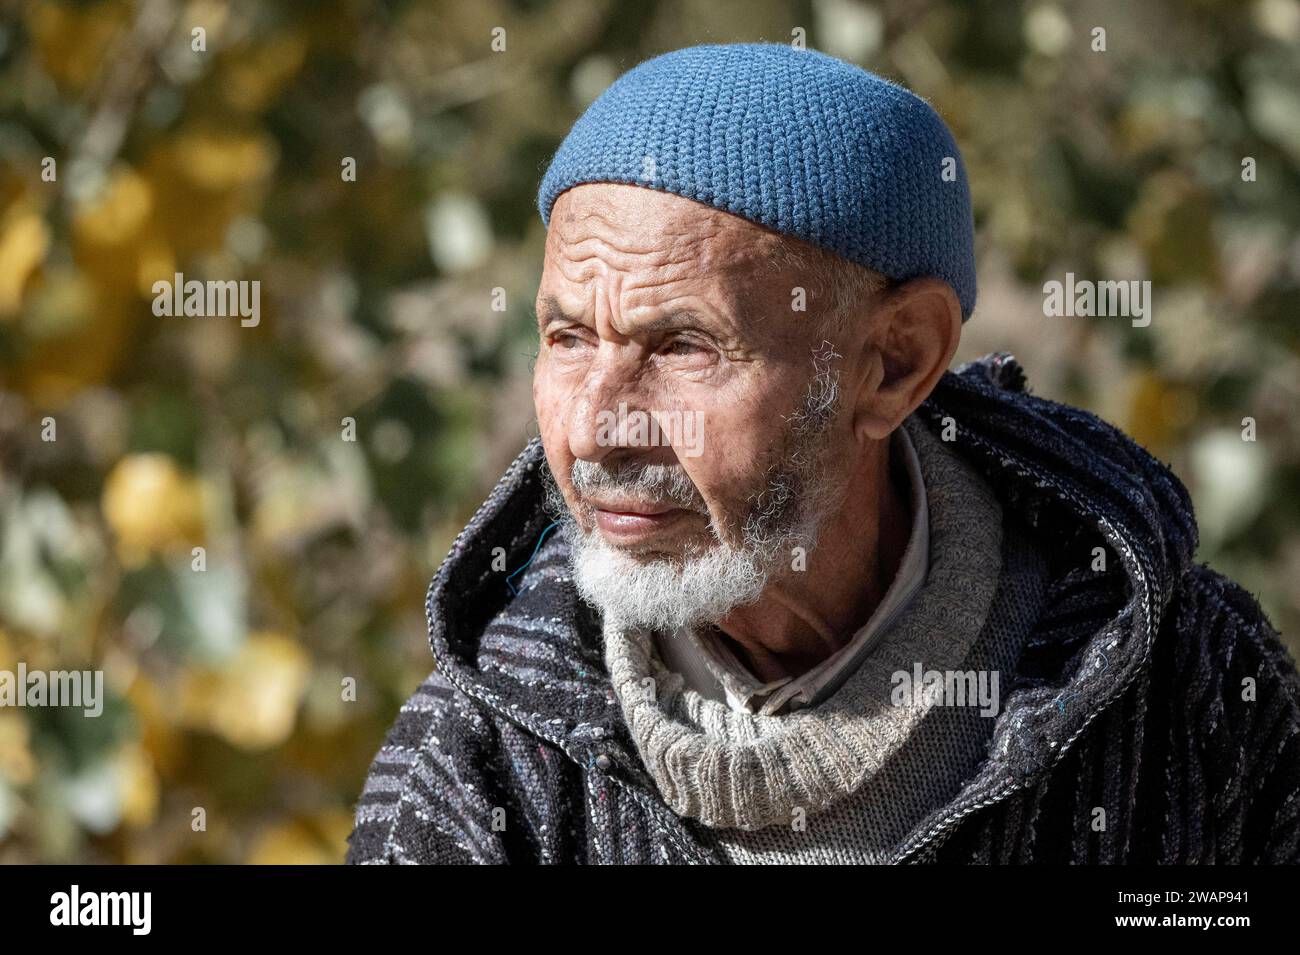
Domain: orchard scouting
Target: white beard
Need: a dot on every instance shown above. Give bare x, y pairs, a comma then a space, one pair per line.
705, 583
666, 594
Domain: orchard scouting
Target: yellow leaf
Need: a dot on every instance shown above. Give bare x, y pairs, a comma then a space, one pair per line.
316, 840
72, 40
139, 784
252, 701
152, 506
23, 243
116, 216
17, 764
222, 162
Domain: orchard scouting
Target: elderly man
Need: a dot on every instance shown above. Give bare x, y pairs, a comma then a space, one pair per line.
878, 611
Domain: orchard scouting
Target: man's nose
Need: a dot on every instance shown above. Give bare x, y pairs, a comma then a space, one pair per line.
608, 394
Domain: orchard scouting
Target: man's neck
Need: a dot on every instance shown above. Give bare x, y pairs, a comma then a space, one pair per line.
805, 616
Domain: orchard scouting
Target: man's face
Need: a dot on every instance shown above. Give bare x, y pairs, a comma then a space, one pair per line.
652, 304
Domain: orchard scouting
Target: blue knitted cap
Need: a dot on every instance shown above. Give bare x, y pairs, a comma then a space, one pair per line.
794, 140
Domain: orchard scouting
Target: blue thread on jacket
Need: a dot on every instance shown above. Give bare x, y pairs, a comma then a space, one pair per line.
530, 559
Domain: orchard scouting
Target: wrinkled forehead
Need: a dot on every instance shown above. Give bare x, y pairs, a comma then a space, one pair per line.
630, 227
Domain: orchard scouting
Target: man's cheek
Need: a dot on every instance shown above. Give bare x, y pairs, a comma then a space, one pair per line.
718, 492
541, 408
735, 480
549, 405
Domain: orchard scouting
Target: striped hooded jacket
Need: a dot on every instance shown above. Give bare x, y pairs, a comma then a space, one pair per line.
1152, 687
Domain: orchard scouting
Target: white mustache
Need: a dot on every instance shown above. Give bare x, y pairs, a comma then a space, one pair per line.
652, 483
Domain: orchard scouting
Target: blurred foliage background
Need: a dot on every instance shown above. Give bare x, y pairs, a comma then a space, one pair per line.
225, 685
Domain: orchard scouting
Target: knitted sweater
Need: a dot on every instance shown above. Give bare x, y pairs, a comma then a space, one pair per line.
738, 770
941, 754
1125, 696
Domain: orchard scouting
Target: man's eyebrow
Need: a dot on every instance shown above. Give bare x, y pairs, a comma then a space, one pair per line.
676, 318
550, 310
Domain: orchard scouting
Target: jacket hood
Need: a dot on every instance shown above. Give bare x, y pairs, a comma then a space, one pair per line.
1076, 482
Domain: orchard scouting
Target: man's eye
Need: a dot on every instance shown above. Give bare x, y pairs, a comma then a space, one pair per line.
681, 346
566, 341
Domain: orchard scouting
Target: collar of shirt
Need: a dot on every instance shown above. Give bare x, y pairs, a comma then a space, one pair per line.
712, 670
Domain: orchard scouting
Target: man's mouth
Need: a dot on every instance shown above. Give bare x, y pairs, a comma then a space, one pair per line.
630, 521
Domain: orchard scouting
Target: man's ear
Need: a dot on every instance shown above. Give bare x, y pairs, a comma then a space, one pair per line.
916, 327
